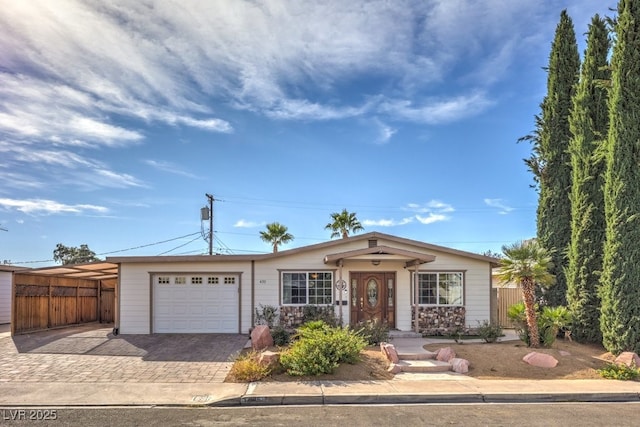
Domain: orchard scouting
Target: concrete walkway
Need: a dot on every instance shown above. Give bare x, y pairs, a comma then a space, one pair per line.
41, 390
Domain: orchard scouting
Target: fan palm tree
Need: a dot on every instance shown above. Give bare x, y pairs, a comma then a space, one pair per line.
343, 224
527, 264
276, 234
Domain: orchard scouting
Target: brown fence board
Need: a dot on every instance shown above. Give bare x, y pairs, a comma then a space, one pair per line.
42, 302
506, 298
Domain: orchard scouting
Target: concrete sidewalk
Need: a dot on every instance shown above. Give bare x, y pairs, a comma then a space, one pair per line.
452, 390
36, 391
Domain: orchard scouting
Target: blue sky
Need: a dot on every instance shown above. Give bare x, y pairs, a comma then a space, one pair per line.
117, 117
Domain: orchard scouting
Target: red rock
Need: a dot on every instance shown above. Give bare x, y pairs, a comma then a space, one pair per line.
445, 354
628, 358
261, 337
269, 358
460, 366
389, 350
540, 359
394, 369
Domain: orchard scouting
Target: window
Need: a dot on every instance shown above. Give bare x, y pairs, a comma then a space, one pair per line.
440, 288
180, 280
163, 280
229, 280
213, 280
312, 287
196, 280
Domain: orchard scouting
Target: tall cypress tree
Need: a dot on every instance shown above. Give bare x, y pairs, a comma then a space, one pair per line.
589, 123
550, 161
620, 286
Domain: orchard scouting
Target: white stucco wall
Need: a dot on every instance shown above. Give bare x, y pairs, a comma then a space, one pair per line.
135, 290
5, 296
135, 281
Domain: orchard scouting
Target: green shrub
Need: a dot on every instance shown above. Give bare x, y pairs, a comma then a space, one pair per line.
319, 312
373, 332
281, 337
457, 334
320, 348
246, 368
622, 372
550, 321
488, 332
266, 315
516, 313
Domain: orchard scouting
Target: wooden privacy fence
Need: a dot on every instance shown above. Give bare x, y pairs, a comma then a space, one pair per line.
42, 302
505, 298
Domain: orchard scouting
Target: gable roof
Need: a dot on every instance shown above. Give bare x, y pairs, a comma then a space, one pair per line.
374, 235
413, 258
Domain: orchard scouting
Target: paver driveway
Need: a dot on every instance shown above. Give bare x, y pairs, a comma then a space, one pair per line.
92, 354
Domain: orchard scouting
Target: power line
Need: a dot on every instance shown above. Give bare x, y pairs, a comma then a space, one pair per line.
119, 250
180, 246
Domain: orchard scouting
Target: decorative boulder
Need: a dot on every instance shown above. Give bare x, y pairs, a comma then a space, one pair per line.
540, 359
269, 358
628, 358
394, 369
389, 350
261, 337
445, 354
460, 366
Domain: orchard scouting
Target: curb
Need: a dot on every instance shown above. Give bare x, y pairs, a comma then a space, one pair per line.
386, 399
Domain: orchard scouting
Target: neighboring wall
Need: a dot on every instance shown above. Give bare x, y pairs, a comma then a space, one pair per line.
5, 296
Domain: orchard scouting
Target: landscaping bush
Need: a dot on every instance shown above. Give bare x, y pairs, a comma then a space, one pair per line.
550, 321
247, 368
319, 312
614, 371
281, 337
320, 348
373, 332
266, 315
488, 332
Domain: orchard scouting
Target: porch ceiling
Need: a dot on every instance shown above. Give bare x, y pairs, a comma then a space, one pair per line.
96, 271
381, 253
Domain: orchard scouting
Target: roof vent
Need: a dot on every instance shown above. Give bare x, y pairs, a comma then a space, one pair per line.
373, 243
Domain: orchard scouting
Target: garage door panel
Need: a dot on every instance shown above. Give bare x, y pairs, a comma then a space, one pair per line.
207, 307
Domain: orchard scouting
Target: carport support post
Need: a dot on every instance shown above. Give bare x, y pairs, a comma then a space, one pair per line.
340, 290
415, 299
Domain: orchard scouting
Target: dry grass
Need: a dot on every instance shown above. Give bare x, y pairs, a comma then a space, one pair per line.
504, 360
496, 361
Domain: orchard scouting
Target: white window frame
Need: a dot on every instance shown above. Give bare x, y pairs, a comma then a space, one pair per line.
307, 279
439, 287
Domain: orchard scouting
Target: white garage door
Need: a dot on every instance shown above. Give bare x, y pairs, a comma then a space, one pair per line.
195, 303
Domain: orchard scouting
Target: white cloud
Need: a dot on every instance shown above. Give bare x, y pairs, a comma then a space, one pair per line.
169, 168
431, 218
385, 132
437, 110
386, 222
242, 223
500, 204
44, 207
431, 206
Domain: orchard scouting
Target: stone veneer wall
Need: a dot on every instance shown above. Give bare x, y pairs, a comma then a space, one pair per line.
439, 320
291, 317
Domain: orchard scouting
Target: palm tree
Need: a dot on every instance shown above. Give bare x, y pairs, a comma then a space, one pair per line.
343, 224
527, 263
276, 234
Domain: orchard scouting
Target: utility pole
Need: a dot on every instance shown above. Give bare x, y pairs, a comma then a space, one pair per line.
211, 199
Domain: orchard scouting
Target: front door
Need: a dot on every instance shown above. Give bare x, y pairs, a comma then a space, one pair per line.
373, 297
